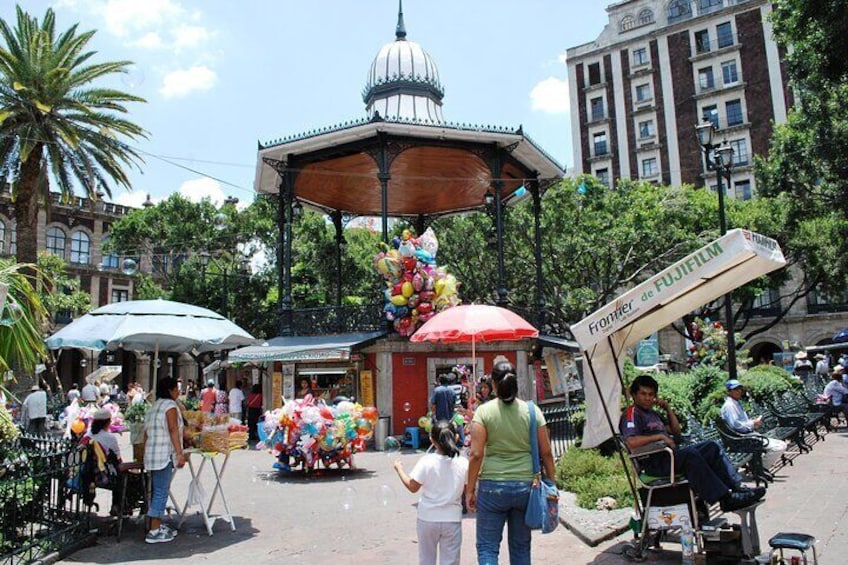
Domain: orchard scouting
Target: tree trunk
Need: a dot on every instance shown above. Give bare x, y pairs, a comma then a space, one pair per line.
26, 208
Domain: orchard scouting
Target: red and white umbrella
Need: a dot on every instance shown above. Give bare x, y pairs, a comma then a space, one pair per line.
474, 323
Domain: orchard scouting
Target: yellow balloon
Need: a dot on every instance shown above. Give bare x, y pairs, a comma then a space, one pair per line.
398, 300
439, 287
407, 289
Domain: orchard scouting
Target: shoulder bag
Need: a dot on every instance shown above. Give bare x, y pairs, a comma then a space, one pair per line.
543, 505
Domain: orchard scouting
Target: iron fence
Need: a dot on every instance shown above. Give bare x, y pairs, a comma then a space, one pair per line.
40, 514
341, 319
565, 425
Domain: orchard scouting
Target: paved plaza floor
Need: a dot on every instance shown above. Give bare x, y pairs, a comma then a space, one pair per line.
366, 516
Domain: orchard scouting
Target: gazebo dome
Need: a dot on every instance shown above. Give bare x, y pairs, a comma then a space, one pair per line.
403, 81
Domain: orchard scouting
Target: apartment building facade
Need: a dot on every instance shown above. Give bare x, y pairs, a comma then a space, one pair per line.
658, 69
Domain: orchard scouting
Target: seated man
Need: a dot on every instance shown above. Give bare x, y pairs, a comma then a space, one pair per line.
737, 419
835, 393
706, 467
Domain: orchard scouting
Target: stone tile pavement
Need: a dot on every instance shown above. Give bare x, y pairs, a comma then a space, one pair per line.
365, 516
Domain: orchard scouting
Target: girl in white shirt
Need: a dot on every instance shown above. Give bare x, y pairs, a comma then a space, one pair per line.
442, 476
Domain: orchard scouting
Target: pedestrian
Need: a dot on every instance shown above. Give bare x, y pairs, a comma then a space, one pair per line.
90, 393
802, 368
442, 476
836, 396
500, 468
163, 450
236, 401
35, 410
822, 366
73, 393
443, 400
737, 419
208, 397
254, 411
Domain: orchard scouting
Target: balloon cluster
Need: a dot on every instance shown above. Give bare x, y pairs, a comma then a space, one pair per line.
304, 432
417, 288
708, 343
77, 419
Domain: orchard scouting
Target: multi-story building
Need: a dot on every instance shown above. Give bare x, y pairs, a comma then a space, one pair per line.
658, 69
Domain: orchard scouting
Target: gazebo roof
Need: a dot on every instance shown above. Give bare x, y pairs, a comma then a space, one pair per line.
435, 168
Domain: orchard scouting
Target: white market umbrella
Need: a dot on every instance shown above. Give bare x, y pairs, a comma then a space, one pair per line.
605, 335
151, 325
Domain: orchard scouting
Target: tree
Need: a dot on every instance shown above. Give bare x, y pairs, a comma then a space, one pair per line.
21, 337
58, 291
55, 122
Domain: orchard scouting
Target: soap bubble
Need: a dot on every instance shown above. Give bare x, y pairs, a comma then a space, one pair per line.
392, 445
129, 267
11, 314
407, 406
387, 495
132, 76
348, 498
221, 221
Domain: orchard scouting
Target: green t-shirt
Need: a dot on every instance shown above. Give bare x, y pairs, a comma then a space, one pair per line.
507, 452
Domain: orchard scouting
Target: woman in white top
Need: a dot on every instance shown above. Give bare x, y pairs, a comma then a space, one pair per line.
442, 476
163, 429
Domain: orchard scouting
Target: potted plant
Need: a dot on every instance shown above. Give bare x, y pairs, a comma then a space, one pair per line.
134, 420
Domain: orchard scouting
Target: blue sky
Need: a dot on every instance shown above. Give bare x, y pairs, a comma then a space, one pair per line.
220, 75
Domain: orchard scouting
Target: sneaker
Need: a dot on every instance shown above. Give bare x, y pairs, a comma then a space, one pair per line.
737, 500
759, 491
159, 536
173, 531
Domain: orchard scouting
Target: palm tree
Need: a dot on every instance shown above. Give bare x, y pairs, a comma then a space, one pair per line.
55, 123
21, 319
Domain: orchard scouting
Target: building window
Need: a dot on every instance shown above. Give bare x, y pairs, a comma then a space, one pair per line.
80, 248
120, 295
597, 108
743, 190
707, 6
679, 9
734, 112
649, 167
13, 240
603, 176
643, 92
2, 238
110, 260
600, 143
710, 113
702, 41
627, 23
594, 73
646, 17
160, 262
640, 57
56, 242
740, 152
646, 129
705, 78
729, 73
725, 35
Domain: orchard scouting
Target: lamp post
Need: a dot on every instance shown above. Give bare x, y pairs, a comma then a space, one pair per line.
722, 161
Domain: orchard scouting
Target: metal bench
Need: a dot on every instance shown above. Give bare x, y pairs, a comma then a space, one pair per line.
782, 427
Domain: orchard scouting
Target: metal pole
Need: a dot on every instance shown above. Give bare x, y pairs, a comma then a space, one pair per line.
225, 303
728, 300
337, 224
536, 192
498, 186
286, 306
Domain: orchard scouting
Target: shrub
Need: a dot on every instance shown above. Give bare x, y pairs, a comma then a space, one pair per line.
591, 475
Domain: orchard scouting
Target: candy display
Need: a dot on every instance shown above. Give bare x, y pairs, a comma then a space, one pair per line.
305, 432
417, 288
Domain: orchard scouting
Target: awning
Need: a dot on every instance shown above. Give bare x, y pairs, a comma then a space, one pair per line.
558, 342
333, 347
104, 374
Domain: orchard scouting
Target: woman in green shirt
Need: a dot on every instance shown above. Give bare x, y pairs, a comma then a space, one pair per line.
500, 470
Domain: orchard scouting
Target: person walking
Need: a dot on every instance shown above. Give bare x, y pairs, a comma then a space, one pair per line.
442, 476
73, 393
500, 468
837, 397
443, 400
254, 411
163, 450
208, 397
35, 410
236, 400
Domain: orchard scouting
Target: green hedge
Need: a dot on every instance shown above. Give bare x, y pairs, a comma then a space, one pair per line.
591, 476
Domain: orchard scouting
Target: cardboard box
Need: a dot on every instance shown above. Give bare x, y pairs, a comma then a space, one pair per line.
664, 517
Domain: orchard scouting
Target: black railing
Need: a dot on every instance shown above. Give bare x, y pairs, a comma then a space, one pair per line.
342, 319
40, 515
565, 425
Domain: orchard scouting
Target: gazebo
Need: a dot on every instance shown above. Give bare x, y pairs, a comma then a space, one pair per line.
402, 160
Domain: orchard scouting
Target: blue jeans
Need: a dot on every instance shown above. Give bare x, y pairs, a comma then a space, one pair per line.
160, 484
500, 502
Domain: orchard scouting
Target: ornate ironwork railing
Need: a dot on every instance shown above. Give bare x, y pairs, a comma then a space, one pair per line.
565, 425
39, 513
342, 319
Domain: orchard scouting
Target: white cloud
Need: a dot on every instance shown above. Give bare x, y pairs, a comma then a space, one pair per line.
180, 83
198, 189
150, 40
134, 199
187, 37
124, 17
550, 96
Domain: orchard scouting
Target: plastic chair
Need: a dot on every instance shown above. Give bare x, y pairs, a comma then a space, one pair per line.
411, 438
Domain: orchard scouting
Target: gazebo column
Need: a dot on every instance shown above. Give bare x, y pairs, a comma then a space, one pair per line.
498, 186
336, 216
384, 177
536, 192
286, 218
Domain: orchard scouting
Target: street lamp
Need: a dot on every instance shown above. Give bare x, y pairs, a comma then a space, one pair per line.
722, 161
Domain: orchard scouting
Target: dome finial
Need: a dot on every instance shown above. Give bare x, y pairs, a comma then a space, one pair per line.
400, 31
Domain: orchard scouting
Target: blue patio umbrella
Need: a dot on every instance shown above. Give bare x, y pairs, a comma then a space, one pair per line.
841, 336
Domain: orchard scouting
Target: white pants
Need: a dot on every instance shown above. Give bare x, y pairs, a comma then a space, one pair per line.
774, 450
442, 537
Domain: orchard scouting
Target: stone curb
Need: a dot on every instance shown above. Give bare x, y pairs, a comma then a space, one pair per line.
592, 527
